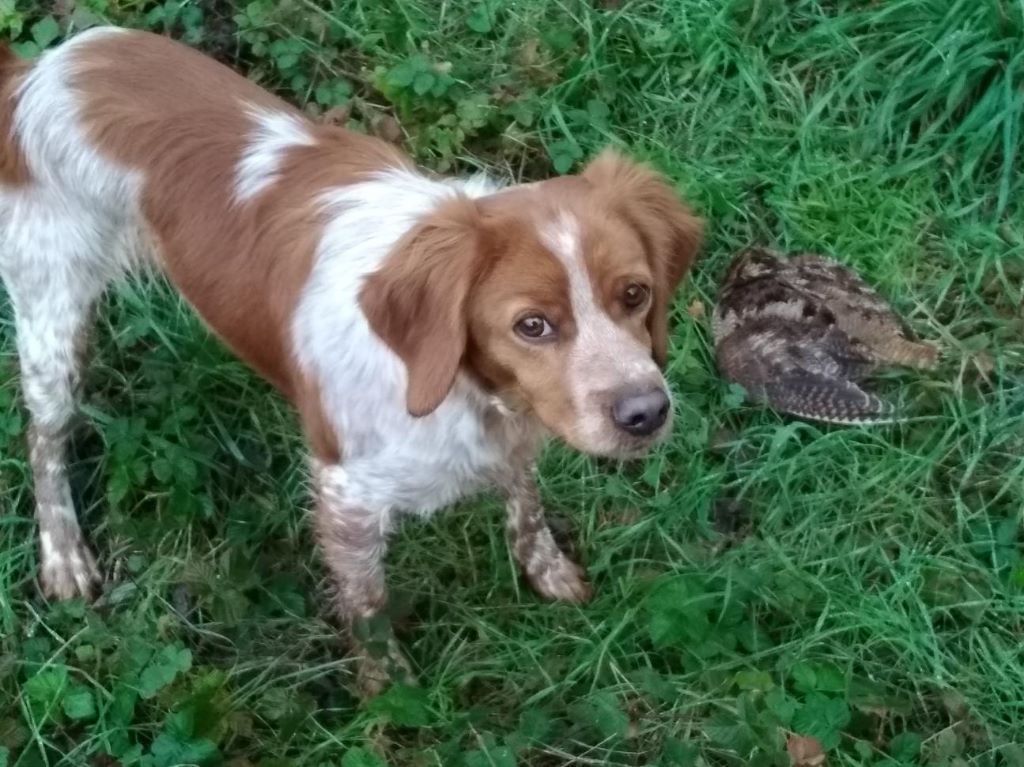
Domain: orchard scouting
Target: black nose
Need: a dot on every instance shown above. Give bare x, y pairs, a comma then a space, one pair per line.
641, 414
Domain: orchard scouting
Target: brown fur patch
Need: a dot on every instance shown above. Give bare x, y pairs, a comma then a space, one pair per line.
417, 302
450, 293
241, 265
670, 232
13, 168
523, 277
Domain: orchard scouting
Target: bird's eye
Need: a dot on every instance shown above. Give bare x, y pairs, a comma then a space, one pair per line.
635, 295
534, 327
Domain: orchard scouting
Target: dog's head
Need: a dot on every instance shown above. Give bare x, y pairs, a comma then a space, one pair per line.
554, 295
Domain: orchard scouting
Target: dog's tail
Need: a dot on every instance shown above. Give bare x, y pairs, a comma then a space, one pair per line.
13, 169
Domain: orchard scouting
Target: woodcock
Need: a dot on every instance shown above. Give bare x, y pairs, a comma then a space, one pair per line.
800, 333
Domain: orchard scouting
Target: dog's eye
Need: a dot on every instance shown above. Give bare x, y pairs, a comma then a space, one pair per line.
534, 327
635, 295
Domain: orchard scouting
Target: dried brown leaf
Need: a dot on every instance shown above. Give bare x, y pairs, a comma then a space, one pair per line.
805, 751
985, 363
388, 128
337, 115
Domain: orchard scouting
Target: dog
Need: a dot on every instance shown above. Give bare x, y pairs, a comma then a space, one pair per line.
431, 332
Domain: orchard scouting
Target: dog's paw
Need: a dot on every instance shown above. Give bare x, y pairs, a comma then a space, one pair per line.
377, 671
68, 568
562, 580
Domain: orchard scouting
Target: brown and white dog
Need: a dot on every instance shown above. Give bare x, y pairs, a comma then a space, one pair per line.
428, 331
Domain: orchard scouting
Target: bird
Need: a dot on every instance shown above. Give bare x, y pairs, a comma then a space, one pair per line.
800, 333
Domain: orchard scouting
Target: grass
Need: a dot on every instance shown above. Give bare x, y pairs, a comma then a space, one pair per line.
756, 578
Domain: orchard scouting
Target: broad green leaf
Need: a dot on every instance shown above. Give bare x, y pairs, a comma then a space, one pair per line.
781, 705
830, 678
678, 615
169, 751
25, 49
558, 37
905, 747
598, 112
675, 753
403, 74
46, 690
13, 733
562, 162
805, 679
564, 155
163, 668
286, 61
333, 92
652, 472
534, 724
754, 680
119, 484
403, 705
1013, 754
162, 469
822, 717
603, 713
80, 704
45, 31
121, 710
522, 112
473, 111
12, 18
726, 731
667, 629
652, 683
155, 17
422, 83
481, 19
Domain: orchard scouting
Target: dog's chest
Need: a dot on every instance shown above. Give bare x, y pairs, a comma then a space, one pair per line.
433, 462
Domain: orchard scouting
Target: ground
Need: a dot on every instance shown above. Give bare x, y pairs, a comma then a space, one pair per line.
766, 588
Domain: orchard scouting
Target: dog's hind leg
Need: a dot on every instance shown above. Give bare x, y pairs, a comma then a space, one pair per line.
53, 286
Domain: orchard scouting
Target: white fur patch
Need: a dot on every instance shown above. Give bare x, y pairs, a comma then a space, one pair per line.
331, 481
604, 357
392, 460
50, 554
74, 228
274, 133
61, 510
50, 133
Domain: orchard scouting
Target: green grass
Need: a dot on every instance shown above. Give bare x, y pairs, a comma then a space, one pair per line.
870, 593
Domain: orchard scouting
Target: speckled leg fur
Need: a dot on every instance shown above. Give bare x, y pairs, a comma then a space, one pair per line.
354, 541
549, 571
51, 347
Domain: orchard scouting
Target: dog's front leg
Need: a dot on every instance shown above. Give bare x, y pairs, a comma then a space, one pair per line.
550, 572
354, 540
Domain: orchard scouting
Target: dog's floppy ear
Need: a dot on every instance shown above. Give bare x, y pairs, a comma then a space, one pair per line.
670, 232
417, 301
